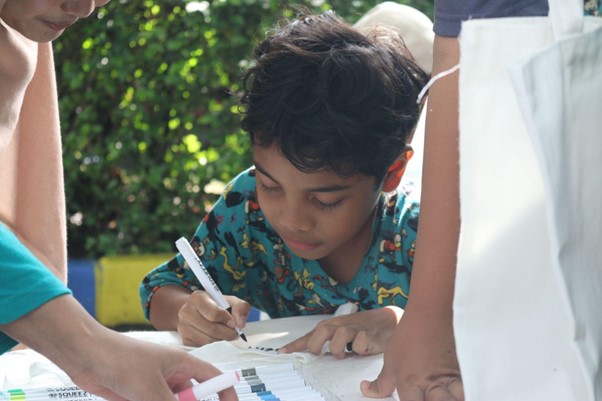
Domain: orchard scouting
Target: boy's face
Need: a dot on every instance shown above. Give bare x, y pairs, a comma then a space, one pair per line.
46, 20
318, 215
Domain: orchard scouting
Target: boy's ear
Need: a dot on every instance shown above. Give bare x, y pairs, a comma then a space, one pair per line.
396, 170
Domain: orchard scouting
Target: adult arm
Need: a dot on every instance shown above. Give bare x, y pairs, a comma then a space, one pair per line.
104, 362
37, 310
420, 360
17, 67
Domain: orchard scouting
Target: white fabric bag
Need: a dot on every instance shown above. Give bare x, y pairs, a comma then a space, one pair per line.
527, 314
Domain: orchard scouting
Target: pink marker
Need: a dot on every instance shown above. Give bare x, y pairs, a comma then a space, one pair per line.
208, 387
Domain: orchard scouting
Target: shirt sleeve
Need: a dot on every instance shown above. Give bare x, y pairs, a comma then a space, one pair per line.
27, 283
449, 14
408, 228
222, 242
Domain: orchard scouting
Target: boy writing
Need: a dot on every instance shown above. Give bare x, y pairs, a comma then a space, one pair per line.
36, 307
317, 221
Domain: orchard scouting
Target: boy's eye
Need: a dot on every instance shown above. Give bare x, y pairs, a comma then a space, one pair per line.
328, 205
265, 188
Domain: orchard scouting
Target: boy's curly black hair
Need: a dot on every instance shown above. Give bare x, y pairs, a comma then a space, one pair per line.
332, 97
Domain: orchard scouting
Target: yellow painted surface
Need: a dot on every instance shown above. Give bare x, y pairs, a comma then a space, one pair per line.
117, 281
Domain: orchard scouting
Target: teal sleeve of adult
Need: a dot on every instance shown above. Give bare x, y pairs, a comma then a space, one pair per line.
26, 283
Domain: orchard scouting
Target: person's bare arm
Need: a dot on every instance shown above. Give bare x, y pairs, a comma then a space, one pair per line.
165, 305
104, 362
17, 66
420, 360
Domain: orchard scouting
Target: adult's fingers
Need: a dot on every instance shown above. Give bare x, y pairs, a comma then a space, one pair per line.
450, 390
205, 371
382, 387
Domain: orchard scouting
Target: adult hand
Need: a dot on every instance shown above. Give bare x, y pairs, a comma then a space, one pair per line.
368, 331
104, 362
420, 361
201, 321
130, 369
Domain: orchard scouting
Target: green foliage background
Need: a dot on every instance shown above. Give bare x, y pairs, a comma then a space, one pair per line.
147, 118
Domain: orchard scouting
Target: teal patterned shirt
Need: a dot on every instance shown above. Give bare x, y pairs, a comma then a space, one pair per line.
248, 259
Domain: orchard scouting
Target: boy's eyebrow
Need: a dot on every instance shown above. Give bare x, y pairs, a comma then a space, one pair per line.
328, 188
263, 171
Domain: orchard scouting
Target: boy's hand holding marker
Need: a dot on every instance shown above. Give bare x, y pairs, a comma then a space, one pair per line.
201, 321
209, 315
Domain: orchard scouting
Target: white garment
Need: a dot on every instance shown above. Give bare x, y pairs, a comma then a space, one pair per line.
529, 276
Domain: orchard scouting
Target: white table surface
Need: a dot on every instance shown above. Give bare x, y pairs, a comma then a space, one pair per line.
337, 379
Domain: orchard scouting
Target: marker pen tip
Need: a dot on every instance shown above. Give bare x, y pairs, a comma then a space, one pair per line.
242, 335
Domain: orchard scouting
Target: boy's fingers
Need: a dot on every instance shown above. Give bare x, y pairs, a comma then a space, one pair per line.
240, 311
299, 345
192, 336
339, 341
207, 308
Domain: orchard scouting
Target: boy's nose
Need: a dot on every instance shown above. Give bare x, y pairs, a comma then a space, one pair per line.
294, 219
79, 8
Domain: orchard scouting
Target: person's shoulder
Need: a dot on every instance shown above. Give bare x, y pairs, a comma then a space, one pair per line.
243, 181
400, 208
241, 189
408, 196
407, 212
407, 206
